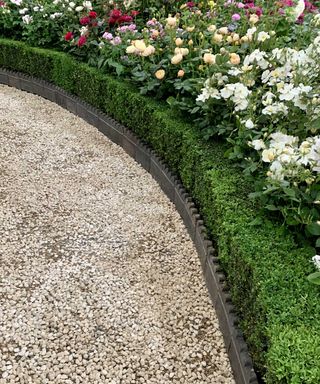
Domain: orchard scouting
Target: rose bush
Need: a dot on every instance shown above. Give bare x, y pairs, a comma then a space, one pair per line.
245, 71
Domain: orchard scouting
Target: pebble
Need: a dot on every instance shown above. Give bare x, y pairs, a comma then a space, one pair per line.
99, 280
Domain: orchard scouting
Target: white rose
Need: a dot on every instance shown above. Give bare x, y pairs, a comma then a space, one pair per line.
316, 260
268, 155
87, 4
258, 144
263, 36
249, 124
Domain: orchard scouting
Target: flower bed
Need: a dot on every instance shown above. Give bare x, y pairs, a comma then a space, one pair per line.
266, 269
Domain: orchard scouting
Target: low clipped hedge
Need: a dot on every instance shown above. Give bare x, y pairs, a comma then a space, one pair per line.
279, 309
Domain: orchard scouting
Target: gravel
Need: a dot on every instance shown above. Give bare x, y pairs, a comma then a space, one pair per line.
99, 280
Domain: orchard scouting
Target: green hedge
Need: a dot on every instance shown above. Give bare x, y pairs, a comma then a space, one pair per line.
279, 309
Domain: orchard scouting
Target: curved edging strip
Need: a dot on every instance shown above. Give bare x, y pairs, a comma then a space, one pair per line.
240, 360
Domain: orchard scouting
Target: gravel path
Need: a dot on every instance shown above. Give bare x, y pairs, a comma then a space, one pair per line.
99, 280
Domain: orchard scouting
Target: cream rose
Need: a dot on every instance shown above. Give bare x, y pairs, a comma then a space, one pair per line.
217, 37
160, 74
131, 49
234, 58
223, 30
209, 58
190, 29
211, 28
140, 45
179, 42
150, 49
172, 22
254, 19
181, 51
176, 59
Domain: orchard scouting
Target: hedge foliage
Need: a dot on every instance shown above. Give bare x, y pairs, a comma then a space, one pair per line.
266, 270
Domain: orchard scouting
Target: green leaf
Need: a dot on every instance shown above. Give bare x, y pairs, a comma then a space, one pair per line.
271, 207
290, 192
256, 221
195, 110
171, 100
318, 242
314, 278
313, 229
254, 195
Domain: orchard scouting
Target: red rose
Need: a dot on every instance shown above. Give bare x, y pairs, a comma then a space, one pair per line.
134, 13
85, 20
115, 13
300, 19
92, 14
125, 19
258, 11
68, 36
112, 21
82, 40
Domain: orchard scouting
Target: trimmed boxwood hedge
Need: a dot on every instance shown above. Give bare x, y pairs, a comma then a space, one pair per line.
266, 270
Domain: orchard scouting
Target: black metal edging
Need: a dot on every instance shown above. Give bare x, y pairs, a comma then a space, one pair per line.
240, 359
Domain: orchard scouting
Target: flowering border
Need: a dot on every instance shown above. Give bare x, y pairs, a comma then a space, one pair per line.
215, 280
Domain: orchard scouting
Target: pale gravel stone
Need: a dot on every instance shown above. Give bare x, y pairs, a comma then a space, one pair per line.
99, 280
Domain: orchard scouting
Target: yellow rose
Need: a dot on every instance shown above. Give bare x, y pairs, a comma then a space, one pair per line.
190, 42
179, 42
229, 39
131, 49
217, 37
160, 74
180, 73
209, 58
176, 59
234, 58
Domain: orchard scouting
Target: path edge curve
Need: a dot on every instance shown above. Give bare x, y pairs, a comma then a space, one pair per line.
240, 360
